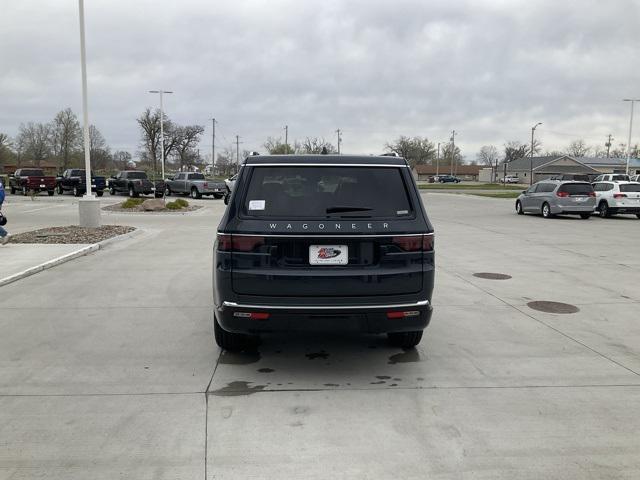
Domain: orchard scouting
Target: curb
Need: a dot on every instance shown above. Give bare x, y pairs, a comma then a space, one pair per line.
68, 257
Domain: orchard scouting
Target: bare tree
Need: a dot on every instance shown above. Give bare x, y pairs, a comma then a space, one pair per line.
187, 138
5, 149
488, 155
121, 160
149, 123
275, 146
317, 145
34, 141
416, 150
99, 151
65, 137
578, 148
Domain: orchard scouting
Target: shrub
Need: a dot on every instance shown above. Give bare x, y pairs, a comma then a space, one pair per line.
178, 204
132, 202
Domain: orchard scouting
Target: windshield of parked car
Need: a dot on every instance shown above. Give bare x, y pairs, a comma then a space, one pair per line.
620, 178
576, 188
137, 175
327, 192
630, 187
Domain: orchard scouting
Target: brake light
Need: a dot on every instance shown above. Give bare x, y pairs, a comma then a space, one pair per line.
238, 243
206, 184
401, 314
562, 194
619, 195
414, 243
592, 194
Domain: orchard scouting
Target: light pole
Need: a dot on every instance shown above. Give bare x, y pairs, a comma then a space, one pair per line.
213, 146
533, 129
88, 206
453, 149
286, 138
632, 100
161, 92
438, 161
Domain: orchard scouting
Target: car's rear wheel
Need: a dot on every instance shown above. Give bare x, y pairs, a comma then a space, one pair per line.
76, 192
195, 193
132, 193
519, 210
234, 342
99, 193
50, 192
585, 216
24, 191
404, 339
218, 195
60, 190
546, 210
603, 209
167, 192
112, 191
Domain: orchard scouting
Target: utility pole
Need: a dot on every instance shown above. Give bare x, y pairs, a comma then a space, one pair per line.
438, 161
213, 146
632, 100
453, 149
238, 142
533, 129
286, 138
608, 144
338, 131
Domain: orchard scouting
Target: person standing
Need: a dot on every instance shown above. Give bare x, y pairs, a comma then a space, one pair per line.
4, 236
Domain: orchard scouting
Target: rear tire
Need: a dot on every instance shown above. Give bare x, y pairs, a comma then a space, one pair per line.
13, 190
546, 210
76, 192
167, 192
585, 216
638, 216
519, 210
195, 193
404, 339
60, 190
100, 193
234, 342
24, 191
603, 210
132, 193
50, 192
218, 196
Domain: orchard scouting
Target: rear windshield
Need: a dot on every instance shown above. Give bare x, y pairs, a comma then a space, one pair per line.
31, 172
576, 188
196, 176
630, 187
75, 173
138, 175
623, 178
327, 192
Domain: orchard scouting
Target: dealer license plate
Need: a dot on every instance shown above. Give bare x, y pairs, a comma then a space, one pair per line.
328, 254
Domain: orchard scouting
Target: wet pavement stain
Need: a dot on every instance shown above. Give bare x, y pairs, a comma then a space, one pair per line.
492, 276
377, 383
393, 385
239, 358
321, 354
383, 377
266, 370
236, 389
331, 384
553, 307
407, 356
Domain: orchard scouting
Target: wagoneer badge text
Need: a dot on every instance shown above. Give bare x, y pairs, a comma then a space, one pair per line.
332, 226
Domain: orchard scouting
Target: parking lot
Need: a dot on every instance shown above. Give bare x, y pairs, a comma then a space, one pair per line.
108, 367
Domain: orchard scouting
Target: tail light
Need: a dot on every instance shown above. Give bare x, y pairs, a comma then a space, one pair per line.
619, 195
402, 314
238, 243
206, 184
415, 243
562, 194
592, 194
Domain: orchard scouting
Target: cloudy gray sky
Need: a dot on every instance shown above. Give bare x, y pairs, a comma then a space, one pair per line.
375, 69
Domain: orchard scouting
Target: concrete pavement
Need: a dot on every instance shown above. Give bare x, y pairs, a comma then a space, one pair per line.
104, 363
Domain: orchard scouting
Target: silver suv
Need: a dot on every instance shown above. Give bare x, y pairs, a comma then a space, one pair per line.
557, 197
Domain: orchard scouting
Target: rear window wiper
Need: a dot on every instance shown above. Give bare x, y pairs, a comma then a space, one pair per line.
347, 208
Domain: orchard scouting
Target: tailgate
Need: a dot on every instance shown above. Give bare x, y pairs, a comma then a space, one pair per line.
343, 266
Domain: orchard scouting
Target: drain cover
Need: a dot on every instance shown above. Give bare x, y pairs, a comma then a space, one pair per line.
553, 307
492, 276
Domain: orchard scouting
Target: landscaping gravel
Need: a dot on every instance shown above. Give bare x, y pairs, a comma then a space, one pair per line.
138, 209
71, 234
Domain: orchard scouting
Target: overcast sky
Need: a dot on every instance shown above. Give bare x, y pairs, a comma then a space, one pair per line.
376, 70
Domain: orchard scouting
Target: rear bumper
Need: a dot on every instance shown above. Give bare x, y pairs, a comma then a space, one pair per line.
334, 318
625, 209
572, 209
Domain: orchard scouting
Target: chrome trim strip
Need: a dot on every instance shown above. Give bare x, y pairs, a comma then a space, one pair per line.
293, 164
420, 303
326, 236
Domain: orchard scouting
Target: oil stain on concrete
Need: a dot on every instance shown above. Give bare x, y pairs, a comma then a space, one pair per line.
492, 276
321, 354
237, 389
407, 356
239, 358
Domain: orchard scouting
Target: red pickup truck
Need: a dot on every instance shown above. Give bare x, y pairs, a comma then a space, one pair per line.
27, 180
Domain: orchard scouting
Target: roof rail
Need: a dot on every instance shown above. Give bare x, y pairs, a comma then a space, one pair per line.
390, 154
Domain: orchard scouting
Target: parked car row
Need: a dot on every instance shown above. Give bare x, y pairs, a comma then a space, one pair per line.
130, 182
562, 197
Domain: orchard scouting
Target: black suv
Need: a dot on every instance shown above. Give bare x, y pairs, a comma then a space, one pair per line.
323, 242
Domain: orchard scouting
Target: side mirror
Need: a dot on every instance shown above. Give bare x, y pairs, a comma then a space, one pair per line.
524, 192
226, 198
113, 177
